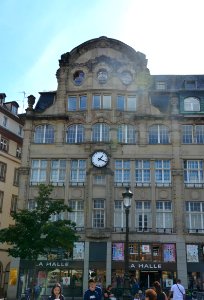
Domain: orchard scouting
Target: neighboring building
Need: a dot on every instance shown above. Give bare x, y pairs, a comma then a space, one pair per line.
11, 135
109, 125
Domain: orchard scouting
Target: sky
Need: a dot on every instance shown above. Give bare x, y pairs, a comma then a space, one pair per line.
34, 35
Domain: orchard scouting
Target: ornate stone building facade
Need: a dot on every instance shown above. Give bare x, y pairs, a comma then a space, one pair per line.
109, 125
11, 135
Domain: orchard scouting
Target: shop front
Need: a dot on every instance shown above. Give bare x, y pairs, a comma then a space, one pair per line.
195, 266
42, 276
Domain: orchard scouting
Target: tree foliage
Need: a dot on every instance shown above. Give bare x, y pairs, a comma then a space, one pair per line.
34, 233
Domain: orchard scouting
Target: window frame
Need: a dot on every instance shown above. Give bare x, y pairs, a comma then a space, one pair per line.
100, 133
190, 104
126, 134
46, 134
78, 172
1, 200
80, 103
3, 170
77, 213
123, 103
159, 134
75, 134
98, 213
101, 102
4, 144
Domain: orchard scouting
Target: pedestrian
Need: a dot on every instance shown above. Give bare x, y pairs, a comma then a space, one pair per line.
150, 294
91, 293
177, 291
107, 293
135, 287
160, 294
56, 293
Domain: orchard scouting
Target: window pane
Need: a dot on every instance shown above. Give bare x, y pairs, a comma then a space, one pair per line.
96, 102
107, 101
72, 103
131, 103
120, 105
82, 102
187, 134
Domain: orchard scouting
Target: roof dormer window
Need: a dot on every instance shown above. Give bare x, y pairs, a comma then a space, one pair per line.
160, 85
190, 84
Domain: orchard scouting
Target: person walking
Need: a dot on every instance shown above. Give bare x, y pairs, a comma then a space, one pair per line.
150, 294
177, 291
160, 294
56, 293
107, 293
92, 293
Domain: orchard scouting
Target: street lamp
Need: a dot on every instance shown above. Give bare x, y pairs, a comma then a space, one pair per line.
127, 197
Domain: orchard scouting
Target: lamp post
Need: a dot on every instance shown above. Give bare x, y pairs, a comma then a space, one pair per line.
127, 197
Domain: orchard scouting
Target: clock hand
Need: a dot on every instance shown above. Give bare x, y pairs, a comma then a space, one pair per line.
99, 158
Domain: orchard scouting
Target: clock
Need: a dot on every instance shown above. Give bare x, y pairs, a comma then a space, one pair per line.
99, 159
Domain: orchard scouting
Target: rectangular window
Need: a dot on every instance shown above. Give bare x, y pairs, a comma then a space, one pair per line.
31, 204
193, 134
18, 152
162, 172
38, 171
78, 171
145, 252
98, 219
122, 171
77, 214
77, 103
14, 202
5, 121
143, 216
131, 103
99, 179
20, 130
124, 103
193, 171
58, 171
16, 177
1, 200
119, 215
72, 103
4, 144
3, 168
101, 101
164, 217
120, 104
190, 84
195, 216
160, 85
134, 252
142, 172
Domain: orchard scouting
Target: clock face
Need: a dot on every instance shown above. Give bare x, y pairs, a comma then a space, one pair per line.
99, 159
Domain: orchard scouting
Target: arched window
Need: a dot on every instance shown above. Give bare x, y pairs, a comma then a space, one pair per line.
75, 134
44, 134
100, 132
191, 104
159, 134
126, 134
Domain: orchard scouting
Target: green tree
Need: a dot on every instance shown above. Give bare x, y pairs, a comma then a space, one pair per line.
34, 233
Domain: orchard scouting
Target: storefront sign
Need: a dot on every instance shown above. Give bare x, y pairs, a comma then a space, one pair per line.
145, 266
52, 264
